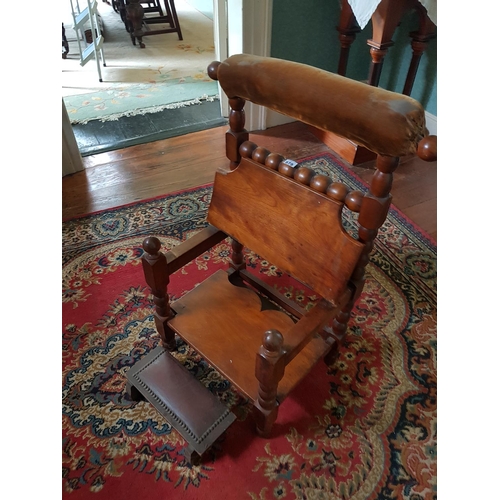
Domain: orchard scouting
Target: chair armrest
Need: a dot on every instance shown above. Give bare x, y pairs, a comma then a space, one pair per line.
311, 323
188, 250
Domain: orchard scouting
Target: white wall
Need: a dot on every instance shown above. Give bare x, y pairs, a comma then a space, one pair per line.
243, 26
71, 158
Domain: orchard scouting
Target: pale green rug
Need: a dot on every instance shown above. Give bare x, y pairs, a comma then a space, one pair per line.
168, 73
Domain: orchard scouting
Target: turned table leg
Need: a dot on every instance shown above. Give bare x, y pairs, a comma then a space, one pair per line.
65, 44
420, 39
347, 28
135, 18
385, 20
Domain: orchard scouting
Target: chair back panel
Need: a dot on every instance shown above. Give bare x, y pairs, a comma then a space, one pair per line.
286, 223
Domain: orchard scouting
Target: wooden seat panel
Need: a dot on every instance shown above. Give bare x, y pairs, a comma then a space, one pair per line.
225, 324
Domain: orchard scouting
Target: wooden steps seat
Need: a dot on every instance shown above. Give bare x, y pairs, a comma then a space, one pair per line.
225, 323
290, 216
191, 409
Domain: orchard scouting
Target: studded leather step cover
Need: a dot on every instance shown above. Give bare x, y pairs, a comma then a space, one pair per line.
184, 401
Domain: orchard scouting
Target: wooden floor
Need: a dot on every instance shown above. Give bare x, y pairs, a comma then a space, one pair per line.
145, 171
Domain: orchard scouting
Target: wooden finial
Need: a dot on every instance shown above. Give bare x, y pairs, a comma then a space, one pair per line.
427, 148
272, 341
212, 70
151, 245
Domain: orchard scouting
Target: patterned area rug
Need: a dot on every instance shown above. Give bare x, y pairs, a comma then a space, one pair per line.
168, 73
362, 428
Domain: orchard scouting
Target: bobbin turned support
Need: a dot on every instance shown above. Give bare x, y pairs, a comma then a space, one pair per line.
269, 370
154, 264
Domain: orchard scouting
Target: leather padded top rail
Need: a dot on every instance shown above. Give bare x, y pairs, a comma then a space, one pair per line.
385, 122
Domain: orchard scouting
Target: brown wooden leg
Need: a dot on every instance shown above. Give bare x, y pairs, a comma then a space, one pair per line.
378, 56
347, 28
237, 257
385, 20
192, 456
269, 370
339, 328
237, 134
135, 16
172, 14
420, 40
134, 394
372, 214
65, 44
154, 264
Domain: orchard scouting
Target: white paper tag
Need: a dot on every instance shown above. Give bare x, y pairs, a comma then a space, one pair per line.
290, 163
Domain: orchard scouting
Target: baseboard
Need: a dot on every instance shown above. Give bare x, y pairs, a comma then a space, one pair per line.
273, 119
431, 122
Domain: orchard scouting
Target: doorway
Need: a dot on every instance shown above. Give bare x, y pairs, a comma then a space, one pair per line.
131, 125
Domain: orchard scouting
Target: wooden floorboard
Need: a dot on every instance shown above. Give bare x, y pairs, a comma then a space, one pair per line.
144, 171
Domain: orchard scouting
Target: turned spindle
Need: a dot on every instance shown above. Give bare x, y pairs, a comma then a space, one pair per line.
247, 148
260, 154
273, 160
154, 264
237, 257
303, 175
320, 183
269, 370
337, 191
237, 134
372, 208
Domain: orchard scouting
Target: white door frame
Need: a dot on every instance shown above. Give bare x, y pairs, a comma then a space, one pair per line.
243, 26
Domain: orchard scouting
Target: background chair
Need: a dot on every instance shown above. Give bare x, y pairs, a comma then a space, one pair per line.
260, 341
137, 24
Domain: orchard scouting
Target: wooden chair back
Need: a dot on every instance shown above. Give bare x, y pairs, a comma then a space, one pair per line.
293, 219
287, 223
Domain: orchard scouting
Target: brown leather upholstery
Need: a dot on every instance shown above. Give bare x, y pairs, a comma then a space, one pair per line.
385, 122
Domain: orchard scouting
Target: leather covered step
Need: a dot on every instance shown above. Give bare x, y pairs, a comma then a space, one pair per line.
198, 415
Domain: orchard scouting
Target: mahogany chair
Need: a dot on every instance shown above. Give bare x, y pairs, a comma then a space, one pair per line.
261, 342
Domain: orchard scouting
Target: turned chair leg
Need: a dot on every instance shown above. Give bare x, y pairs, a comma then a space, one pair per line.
339, 328
154, 264
133, 393
269, 370
135, 17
